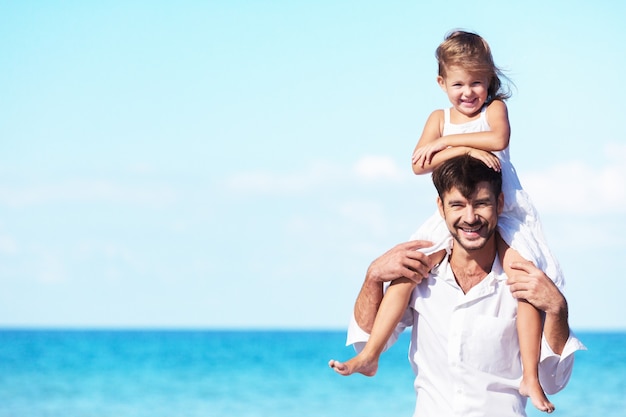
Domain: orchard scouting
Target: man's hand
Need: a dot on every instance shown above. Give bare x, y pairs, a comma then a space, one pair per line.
535, 287
531, 284
401, 261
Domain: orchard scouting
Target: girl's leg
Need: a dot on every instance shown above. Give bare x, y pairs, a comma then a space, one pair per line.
529, 330
391, 310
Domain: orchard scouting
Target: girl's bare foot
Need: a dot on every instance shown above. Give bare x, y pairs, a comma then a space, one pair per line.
533, 390
357, 364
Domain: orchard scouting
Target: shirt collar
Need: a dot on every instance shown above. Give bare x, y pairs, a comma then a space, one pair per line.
484, 288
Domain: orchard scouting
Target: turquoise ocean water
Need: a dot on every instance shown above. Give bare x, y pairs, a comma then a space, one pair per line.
244, 374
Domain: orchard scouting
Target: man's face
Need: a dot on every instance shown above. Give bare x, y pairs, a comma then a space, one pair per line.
472, 221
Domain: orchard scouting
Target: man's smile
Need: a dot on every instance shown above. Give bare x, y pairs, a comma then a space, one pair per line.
471, 230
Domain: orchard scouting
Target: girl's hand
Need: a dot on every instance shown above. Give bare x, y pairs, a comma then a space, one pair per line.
424, 154
488, 158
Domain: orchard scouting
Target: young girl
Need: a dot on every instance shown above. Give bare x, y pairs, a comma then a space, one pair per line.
477, 123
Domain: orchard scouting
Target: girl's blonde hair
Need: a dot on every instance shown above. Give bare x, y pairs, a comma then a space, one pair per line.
472, 53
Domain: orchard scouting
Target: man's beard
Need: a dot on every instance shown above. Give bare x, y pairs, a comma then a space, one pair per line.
470, 245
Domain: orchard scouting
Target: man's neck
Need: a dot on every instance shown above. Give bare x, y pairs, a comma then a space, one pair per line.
471, 267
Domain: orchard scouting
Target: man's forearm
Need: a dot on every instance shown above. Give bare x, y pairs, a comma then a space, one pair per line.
401, 261
556, 327
367, 303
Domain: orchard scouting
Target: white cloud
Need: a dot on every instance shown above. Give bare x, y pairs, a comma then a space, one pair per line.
85, 190
8, 246
577, 187
318, 174
366, 214
376, 167
300, 225
264, 182
51, 268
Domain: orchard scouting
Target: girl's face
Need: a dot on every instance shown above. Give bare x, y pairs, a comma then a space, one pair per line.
466, 91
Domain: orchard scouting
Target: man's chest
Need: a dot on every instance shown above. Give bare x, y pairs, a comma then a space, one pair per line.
476, 330
442, 307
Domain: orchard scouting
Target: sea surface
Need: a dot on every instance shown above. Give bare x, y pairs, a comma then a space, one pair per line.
245, 374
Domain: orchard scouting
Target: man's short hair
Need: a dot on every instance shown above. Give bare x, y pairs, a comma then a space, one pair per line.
464, 173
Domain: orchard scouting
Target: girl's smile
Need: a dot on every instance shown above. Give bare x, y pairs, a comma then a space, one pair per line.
466, 91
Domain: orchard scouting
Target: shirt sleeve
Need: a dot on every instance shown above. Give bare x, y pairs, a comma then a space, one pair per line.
359, 337
555, 370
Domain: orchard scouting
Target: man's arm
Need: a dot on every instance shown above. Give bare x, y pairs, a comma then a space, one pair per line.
556, 327
401, 261
555, 368
534, 286
367, 303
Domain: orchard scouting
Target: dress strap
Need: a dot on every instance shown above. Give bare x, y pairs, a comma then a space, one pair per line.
446, 115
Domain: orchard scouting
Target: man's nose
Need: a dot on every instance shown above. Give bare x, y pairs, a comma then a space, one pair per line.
469, 215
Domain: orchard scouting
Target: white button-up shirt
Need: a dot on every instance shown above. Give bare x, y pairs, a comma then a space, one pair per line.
464, 348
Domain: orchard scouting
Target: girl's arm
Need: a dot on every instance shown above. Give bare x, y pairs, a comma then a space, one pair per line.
495, 139
432, 129
488, 158
424, 157
432, 132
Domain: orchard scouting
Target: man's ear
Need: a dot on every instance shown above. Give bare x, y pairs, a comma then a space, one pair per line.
500, 203
440, 207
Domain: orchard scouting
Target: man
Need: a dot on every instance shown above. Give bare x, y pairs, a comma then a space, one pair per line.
464, 347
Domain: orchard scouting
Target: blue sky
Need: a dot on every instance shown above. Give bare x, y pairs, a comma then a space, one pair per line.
239, 164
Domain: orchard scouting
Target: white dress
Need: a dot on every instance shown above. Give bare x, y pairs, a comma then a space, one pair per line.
519, 223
